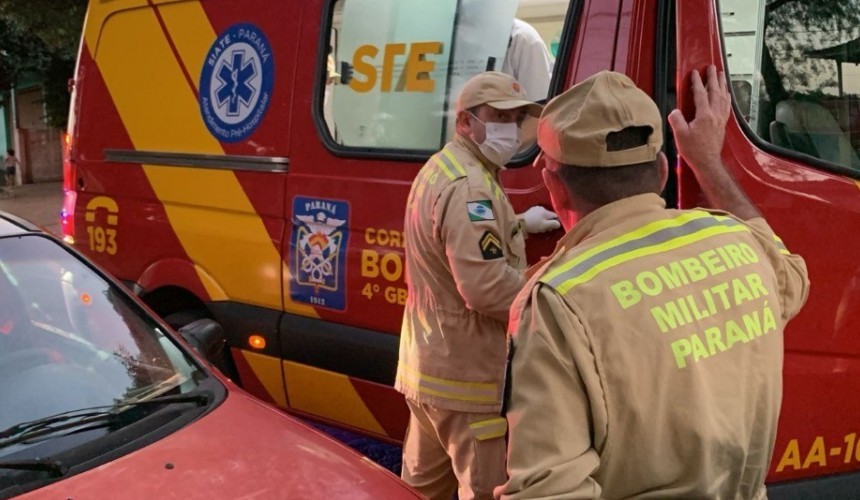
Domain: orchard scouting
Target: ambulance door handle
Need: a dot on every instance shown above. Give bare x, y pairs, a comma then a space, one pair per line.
81, 183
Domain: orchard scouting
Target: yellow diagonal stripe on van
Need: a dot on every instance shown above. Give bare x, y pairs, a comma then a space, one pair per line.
329, 395
268, 371
208, 210
98, 12
151, 93
191, 32
222, 234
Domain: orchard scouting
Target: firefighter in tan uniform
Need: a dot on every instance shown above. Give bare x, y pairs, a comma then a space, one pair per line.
465, 257
647, 351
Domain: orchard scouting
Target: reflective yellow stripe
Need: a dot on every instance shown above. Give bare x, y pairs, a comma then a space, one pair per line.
479, 392
672, 244
489, 429
493, 186
642, 232
780, 245
444, 168
453, 160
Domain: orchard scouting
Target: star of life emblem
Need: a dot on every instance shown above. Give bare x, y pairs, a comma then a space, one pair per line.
236, 82
239, 79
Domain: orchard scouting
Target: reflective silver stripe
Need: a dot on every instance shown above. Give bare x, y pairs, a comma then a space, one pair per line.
451, 169
454, 161
478, 392
651, 240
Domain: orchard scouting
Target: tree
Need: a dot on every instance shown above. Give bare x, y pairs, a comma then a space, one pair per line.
42, 36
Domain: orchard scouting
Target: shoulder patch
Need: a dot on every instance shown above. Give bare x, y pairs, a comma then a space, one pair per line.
480, 210
491, 247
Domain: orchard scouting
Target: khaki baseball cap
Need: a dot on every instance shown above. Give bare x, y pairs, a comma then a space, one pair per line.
498, 90
573, 127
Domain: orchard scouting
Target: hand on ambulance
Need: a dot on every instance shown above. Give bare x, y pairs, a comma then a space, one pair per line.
537, 219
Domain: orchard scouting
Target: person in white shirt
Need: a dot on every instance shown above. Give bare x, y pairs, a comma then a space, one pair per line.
528, 61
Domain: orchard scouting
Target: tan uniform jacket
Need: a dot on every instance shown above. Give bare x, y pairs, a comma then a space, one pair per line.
465, 257
647, 357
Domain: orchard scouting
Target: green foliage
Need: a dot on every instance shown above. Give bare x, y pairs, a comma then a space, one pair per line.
56, 24
42, 37
19, 53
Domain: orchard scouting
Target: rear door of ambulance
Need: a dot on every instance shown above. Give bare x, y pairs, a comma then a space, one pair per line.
359, 141
793, 143
180, 151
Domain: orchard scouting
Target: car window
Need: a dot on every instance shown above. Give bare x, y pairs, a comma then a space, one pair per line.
70, 339
396, 67
795, 73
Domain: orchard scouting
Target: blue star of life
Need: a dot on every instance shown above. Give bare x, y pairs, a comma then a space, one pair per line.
236, 82
235, 79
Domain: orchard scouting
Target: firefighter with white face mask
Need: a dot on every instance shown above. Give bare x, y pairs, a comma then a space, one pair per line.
465, 257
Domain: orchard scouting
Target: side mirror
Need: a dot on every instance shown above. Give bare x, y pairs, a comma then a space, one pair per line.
206, 336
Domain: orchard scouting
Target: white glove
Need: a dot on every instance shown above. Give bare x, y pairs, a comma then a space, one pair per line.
537, 219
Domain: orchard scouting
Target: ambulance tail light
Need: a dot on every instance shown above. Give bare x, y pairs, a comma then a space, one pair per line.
68, 164
67, 215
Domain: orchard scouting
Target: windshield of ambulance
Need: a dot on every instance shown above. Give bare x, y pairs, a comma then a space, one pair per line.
70, 342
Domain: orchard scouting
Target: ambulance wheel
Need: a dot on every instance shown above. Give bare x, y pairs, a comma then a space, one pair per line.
221, 360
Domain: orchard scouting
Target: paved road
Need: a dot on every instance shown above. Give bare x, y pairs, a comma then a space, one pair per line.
38, 203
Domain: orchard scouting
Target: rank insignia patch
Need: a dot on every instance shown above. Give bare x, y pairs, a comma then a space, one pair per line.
491, 247
480, 210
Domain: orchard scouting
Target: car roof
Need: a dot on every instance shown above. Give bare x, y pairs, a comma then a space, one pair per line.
11, 225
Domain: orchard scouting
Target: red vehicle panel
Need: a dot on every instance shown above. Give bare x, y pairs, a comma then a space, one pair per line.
269, 193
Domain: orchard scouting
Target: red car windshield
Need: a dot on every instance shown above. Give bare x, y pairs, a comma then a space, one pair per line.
71, 340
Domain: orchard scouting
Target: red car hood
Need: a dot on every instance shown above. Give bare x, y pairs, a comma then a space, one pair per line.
242, 449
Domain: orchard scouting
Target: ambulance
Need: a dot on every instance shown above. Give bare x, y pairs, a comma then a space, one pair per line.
249, 161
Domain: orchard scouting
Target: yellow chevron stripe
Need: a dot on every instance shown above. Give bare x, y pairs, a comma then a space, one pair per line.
329, 395
268, 371
97, 13
158, 109
191, 32
220, 230
208, 210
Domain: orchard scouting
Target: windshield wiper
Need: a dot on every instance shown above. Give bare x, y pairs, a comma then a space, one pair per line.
89, 418
54, 467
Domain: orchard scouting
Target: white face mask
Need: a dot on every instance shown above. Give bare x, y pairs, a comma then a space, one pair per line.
501, 141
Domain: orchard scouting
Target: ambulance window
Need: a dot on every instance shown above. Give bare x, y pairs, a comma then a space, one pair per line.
795, 72
395, 67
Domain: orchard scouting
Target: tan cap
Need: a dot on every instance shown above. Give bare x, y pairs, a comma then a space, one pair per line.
498, 90
574, 125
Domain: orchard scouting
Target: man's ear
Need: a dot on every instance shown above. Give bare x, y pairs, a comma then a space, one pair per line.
664, 170
558, 193
464, 124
